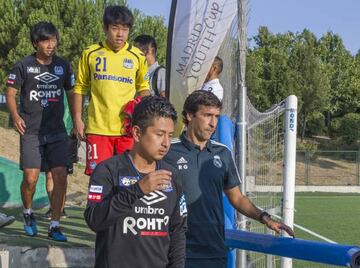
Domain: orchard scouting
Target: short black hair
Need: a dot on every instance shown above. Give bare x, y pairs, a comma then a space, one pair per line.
219, 63
143, 42
118, 15
151, 107
43, 30
197, 98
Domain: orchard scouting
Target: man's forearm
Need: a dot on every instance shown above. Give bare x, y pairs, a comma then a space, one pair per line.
70, 99
249, 209
77, 106
242, 204
11, 103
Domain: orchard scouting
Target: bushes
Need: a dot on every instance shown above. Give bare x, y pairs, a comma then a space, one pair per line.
315, 124
347, 128
309, 146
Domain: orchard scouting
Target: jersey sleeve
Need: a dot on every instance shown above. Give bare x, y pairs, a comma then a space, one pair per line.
142, 83
161, 79
178, 227
219, 92
16, 77
232, 178
83, 79
107, 202
69, 78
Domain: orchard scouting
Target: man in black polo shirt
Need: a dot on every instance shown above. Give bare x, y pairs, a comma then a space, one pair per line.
135, 204
206, 169
41, 79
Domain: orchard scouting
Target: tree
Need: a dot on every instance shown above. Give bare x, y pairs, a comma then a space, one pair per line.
269, 78
343, 74
153, 26
284, 64
312, 82
79, 23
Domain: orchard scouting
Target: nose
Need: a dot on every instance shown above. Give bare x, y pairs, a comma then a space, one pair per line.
120, 32
166, 141
52, 43
213, 121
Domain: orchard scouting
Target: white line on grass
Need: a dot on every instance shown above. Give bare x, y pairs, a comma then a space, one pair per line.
310, 232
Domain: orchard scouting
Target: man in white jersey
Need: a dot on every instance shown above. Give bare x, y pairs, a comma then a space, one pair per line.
212, 82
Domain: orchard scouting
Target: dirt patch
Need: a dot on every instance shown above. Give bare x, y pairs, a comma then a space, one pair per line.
77, 182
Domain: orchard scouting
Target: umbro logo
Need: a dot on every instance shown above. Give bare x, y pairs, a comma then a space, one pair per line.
182, 160
153, 197
46, 77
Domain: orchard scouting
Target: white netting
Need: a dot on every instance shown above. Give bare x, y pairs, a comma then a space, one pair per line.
264, 168
265, 146
263, 138
229, 53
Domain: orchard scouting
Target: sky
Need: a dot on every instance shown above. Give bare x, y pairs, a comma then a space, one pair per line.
280, 16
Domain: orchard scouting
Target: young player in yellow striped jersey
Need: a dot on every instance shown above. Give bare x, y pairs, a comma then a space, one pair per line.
110, 73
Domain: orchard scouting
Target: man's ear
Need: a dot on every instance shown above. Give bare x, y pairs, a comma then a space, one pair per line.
189, 117
136, 133
214, 69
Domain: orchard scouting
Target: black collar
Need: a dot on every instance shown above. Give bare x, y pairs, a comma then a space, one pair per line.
191, 146
134, 169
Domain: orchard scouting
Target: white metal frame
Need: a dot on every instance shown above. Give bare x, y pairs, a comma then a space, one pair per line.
289, 168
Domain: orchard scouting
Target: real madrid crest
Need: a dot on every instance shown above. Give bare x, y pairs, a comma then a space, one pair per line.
217, 161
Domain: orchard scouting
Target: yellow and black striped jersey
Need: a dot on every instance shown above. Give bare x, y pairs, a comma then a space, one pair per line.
110, 79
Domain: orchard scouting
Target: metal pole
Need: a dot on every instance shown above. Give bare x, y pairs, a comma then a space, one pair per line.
358, 167
289, 168
241, 161
241, 122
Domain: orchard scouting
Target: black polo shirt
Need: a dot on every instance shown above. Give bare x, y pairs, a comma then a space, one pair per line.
42, 93
204, 175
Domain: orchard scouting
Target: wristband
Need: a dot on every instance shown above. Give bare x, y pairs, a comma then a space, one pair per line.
262, 215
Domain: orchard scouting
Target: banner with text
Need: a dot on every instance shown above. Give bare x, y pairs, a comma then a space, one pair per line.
196, 31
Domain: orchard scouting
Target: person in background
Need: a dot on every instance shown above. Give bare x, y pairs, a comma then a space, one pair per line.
42, 79
72, 158
212, 82
111, 72
156, 74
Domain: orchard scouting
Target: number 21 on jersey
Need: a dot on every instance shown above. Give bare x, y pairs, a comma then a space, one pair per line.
100, 64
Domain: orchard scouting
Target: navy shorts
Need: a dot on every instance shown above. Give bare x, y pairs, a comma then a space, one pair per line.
43, 152
206, 263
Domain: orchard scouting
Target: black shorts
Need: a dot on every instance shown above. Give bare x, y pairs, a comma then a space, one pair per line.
43, 152
73, 147
206, 263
